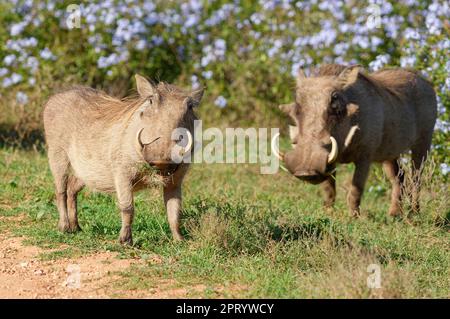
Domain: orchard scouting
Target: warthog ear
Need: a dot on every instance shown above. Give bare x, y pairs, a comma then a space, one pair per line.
349, 75
196, 96
287, 108
144, 87
300, 76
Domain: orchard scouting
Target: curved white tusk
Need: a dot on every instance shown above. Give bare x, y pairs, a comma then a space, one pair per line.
350, 135
139, 144
138, 137
188, 147
334, 151
275, 149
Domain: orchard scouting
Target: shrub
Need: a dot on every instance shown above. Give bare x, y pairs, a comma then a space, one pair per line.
245, 52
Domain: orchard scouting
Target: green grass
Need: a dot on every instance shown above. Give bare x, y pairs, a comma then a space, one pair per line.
248, 235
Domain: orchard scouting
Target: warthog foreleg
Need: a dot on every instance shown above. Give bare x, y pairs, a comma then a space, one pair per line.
125, 199
395, 175
172, 201
329, 190
357, 186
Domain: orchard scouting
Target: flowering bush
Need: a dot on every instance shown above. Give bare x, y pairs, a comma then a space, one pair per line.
245, 52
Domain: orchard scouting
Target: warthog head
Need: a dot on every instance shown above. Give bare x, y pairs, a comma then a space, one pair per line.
164, 123
322, 112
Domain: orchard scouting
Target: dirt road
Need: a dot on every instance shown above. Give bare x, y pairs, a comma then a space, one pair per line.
23, 274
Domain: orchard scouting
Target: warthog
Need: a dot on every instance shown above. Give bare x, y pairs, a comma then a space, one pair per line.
344, 115
120, 146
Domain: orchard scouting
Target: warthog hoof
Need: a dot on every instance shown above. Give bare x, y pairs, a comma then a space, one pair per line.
75, 228
125, 237
177, 237
126, 241
63, 227
355, 213
395, 212
67, 228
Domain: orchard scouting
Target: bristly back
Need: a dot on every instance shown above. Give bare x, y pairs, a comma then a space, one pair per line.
165, 89
105, 107
102, 106
392, 83
388, 82
329, 70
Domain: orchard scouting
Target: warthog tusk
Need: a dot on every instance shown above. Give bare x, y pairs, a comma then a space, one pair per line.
334, 151
139, 141
138, 136
350, 135
188, 147
275, 151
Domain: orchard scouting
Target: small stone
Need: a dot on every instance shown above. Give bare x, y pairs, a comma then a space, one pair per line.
39, 272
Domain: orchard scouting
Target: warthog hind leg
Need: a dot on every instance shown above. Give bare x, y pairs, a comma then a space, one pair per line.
74, 186
357, 187
396, 176
59, 166
125, 198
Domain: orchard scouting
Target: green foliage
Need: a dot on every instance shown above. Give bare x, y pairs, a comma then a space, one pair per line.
245, 53
256, 237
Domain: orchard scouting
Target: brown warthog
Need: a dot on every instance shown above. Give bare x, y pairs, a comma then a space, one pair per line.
120, 146
344, 115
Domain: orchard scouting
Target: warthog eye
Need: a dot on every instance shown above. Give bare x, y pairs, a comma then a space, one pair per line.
190, 104
336, 104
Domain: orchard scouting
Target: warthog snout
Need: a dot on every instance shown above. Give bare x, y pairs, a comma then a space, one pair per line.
163, 153
309, 161
165, 167
308, 165
310, 176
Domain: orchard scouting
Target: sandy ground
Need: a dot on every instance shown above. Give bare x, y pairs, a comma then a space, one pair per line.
24, 275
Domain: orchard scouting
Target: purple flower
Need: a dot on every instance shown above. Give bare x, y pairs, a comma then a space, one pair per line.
379, 62
220, 44
221, 102
17, 28
9, 59
408, 61
445, 168
21, 98
32, 63
46, 54
194, 82
16, 78
207, 74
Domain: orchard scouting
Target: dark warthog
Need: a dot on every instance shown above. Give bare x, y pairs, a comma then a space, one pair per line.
344, 115
120, 146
